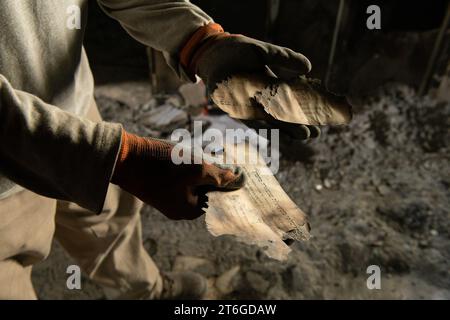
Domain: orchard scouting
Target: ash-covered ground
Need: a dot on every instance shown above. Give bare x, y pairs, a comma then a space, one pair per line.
377, 193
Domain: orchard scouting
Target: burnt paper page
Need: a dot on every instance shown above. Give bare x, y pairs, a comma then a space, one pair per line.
260, 213
260, 97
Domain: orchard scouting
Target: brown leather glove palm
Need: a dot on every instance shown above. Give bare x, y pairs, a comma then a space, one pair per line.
144, 168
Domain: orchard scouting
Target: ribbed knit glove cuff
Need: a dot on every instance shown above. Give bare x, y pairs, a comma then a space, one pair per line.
197, 44
135, 148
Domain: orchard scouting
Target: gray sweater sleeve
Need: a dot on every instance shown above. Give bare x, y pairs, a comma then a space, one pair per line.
165, 25
54, 153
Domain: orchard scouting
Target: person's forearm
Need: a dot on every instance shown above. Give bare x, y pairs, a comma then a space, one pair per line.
161, 24
55, 153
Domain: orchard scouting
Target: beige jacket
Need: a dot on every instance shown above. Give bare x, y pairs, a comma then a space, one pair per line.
46, 85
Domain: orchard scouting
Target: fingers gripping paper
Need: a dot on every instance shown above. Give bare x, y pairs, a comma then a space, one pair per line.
260, 213
302, 101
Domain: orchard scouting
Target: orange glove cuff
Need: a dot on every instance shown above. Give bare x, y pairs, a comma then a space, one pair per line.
194, 43
134, 149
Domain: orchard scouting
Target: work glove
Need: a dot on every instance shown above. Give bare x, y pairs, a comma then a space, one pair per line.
145, 169
214, 55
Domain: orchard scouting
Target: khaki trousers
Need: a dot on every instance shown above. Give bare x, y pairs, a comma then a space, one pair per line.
107, 247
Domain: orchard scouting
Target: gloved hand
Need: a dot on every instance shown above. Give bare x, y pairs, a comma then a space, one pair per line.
145, 169
214, 55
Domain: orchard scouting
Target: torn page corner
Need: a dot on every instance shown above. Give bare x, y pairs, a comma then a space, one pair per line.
302, 101
260, 213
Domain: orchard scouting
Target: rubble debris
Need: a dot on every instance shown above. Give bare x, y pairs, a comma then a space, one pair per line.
165, 118
323, 268
257, 282
224, 282
328, 183
175, 100
196, 264
129, 92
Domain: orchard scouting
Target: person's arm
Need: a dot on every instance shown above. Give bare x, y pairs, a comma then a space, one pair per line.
161, 24
54, 153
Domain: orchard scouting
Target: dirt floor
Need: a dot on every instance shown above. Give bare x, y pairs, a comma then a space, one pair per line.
377, 192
